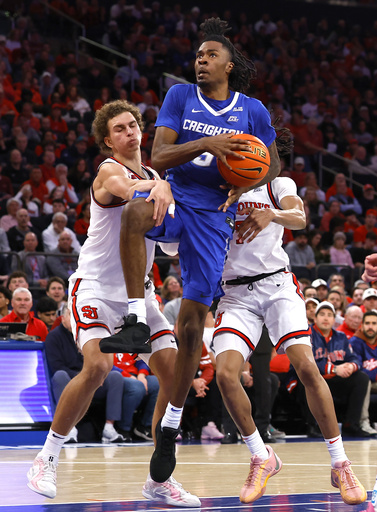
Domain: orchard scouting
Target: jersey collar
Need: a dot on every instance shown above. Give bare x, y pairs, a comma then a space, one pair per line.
217, 112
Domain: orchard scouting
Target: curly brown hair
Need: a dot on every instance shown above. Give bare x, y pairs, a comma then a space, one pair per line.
109, 111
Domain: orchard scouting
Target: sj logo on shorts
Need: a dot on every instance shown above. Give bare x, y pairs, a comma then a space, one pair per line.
89, 312
218, 319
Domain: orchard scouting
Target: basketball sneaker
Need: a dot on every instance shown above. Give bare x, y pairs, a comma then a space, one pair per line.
170, 492
110, 435
210, 431
134, 337
351, 490
260, 472
42, 477
163, 458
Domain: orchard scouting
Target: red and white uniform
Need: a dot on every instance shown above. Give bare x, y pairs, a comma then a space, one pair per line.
97, 290
275, 300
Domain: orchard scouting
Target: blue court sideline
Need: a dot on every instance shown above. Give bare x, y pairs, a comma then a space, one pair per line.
321, 502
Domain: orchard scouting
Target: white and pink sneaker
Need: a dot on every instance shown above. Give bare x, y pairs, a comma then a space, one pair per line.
170, 492
42, 477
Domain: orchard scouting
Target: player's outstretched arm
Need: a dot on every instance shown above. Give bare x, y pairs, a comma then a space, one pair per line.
111, 183
370, 272
167, 154
292, 217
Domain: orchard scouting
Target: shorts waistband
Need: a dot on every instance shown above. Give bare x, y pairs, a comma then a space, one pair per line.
251, 279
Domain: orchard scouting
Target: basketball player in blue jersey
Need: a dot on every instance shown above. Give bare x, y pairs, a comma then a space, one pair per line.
98, 296
194, 128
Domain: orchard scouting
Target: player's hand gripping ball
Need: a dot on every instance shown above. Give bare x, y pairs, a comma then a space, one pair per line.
251, 170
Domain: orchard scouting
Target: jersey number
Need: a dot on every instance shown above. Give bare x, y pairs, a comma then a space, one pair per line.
203, 160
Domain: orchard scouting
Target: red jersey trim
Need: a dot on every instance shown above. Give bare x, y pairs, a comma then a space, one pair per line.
237, 333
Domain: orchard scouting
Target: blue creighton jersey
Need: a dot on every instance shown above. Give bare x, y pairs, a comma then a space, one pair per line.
193, 116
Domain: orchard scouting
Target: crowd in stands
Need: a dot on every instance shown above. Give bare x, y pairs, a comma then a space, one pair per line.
317, 79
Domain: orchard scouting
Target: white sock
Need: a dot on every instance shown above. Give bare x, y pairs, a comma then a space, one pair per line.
336, 449
172, 416
52, 446
256, 445
138, 308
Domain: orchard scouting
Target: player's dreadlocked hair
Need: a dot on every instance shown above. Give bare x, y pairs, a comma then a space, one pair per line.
244, 70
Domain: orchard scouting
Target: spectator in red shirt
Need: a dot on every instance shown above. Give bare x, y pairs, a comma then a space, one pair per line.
48, 165
22, 303
359, 235
339, 187
38, 187
352, 321
57, 123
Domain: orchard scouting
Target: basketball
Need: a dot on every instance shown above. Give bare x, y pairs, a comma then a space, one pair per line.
251, 170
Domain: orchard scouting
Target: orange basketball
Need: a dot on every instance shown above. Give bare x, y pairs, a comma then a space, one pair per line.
251, 170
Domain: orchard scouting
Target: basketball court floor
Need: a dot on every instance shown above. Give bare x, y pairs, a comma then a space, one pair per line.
109, 478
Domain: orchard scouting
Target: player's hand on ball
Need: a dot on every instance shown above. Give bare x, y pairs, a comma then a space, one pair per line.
254, 223
233, 196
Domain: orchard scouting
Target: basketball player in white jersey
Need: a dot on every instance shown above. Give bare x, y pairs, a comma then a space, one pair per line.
98, 295
259, 290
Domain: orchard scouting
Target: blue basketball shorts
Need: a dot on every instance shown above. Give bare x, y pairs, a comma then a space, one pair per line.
203, 238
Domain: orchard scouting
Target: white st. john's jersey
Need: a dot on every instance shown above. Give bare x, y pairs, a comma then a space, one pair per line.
265, 253
99, 258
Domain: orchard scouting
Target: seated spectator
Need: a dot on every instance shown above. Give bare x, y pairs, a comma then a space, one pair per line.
142, 85
299, 252
17, 233
34, 265
80, 176
322, 289
334, 211
17, 279
62, 261
76, 101
39, 190
140, 389
352, 222
311, 181
339, 255
369, 199
47, 311
359, 254
308, 143
359, 235
48, 164
25, 196
22, 303
57, 123
10, 219
364, 345
357, 296
15, 170
315, 241
336, 280
352, 321
339, 187
5, 300
82, 223
56, 193
369, 300
309, 292
62, 182
310, 305
65, 362
51, 234
297, 174
340, 367
358, 166
171, 289
316, 207
336, 299
56, 290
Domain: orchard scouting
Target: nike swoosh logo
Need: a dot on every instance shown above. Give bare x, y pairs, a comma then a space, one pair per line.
175, 410
258, 169
58, 437
196, 111
335, 440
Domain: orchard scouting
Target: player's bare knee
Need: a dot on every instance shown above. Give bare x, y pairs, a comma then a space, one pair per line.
97, 371
308, 372
226, 380
137, 216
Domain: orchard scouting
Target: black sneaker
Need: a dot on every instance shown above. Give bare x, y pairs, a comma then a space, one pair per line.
163, 459
134, 337
143, 432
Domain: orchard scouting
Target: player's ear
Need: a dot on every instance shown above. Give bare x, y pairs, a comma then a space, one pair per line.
108, 142
230, 66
